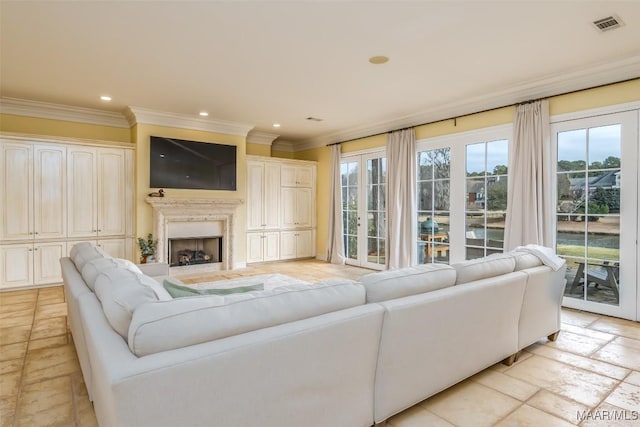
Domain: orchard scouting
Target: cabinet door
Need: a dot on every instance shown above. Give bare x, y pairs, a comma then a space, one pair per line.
50, 191
271, 246
288, 207
255, 195
304, 244
113, 247
46, 262
304, 176
303, 207
271, 191
254, 247
288, 176
288, 244
297, 176
112, 207
16, 192
16, 265
81, 192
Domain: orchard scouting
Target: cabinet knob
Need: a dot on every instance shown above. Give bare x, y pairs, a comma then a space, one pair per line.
36, 232
30, 249
35, 249
30, 232
99, 231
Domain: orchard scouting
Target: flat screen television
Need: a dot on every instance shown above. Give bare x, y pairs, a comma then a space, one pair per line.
177, 163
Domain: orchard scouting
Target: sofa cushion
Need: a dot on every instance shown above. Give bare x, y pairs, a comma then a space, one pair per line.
161, 326
83, 252
483, 268
403, 282
177, 289
525, 260
120, 291
96, 266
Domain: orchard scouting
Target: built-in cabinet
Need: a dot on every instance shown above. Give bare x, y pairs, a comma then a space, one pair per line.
54, 194
281, 212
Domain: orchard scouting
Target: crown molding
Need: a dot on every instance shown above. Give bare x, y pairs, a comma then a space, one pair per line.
573, 80
259, 137
138, 115
285, 146
46, 110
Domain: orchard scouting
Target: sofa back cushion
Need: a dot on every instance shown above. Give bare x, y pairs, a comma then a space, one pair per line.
403, 282
121, 291
525, 260
161, 326
484, 268
83, 252
96, 266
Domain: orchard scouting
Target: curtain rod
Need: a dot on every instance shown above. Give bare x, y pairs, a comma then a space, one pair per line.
454, 118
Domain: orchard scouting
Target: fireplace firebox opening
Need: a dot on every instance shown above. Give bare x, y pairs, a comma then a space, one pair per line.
195, 250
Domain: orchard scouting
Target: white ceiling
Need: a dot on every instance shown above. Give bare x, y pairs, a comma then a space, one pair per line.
265, 62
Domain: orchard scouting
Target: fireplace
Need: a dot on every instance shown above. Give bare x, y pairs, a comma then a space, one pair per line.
202, 230
194, 250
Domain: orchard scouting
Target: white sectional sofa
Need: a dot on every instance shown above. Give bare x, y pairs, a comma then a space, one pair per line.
335, 353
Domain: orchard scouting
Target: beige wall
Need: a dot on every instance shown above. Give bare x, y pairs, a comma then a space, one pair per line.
60, 128
144, 215
587, 99
258, 149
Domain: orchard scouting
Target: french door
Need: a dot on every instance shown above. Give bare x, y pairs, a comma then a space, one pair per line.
364, 183
597, 211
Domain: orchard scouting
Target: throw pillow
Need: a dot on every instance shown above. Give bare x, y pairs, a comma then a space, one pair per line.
178, 290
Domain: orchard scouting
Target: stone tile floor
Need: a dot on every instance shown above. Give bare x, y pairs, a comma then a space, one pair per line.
589, 377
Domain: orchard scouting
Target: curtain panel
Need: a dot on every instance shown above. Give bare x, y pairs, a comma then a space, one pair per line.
529, 206
401, 197
335, 243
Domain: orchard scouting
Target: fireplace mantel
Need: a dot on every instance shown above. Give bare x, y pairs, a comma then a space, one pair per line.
170, 211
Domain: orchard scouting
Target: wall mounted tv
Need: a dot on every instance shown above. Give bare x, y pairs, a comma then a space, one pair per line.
176, 163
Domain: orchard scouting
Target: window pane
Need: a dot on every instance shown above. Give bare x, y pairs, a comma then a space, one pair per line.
425, 167
572, 150
372, 224
476, 160
441, 195
353, 173
475, 194
497, 195
604, 147
497, 157
425, 195
441, 159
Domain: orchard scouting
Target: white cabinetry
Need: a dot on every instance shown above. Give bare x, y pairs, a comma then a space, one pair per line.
296, 244
263, 195
298, 176
23, 264
281, 195
97, 196
263, 247
297, 207
32, 192
53, 193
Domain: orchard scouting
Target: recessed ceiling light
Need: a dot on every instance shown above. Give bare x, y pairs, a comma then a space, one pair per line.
105, 98
204, 113
276, 125
378, 59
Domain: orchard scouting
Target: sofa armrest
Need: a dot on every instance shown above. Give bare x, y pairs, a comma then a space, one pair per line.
155, 269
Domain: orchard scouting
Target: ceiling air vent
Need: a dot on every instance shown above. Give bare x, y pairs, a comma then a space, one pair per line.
314, 119
608, 23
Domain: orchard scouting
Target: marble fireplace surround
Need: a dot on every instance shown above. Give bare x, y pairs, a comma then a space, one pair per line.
171, 214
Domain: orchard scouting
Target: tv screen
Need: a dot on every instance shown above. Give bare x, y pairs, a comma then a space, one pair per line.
176, 163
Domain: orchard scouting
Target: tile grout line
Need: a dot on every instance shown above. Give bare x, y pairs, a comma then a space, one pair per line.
24, 361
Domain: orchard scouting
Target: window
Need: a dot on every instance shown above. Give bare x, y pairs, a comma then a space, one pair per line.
434, 181
486, 197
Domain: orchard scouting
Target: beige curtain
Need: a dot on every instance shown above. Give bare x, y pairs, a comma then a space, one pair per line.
335, 244
401, 197
529, 204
